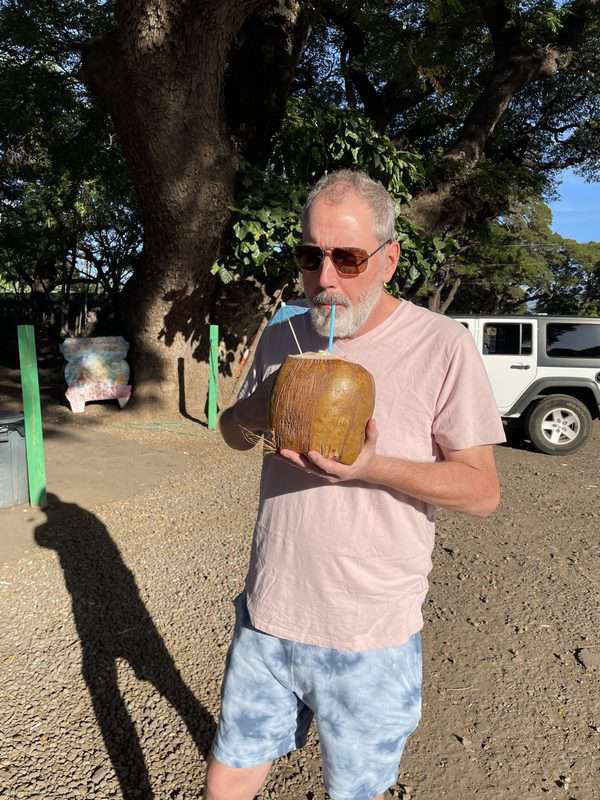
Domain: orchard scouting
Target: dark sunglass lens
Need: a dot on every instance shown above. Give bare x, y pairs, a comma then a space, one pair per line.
346, 261
308, 257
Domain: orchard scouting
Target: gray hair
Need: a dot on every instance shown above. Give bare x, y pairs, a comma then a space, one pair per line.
336, 185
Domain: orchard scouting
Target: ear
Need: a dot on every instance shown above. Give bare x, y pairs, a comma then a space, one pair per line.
392, 254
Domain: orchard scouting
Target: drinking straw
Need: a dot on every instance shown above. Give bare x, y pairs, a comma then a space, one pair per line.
294, 333
331, 328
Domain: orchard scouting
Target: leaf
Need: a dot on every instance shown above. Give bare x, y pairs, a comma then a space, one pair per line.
225, 275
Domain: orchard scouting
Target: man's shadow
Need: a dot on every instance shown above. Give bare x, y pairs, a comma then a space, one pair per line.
113, 622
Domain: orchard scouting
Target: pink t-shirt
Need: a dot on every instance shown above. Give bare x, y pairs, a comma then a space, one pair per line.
345, 565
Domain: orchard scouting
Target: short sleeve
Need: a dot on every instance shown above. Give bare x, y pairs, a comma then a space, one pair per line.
466, 414
255, 373
272, 348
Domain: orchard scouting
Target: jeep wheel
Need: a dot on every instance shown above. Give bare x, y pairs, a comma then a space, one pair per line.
559, 424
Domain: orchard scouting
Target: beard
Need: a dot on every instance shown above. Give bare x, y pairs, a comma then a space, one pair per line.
349, 318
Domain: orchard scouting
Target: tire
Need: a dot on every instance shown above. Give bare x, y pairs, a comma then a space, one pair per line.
559, 424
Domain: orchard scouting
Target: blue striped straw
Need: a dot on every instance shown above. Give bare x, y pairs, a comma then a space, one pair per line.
331, 328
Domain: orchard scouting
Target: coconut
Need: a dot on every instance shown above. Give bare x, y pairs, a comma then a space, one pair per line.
322, 402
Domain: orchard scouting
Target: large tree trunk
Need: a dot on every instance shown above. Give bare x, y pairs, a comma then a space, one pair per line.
161, 74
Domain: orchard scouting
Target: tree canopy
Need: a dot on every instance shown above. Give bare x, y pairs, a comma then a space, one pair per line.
148, 150
68, 215
517, 264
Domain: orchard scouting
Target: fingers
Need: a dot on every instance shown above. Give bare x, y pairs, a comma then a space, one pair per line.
328, 467
326, 464
309, 464
296, 458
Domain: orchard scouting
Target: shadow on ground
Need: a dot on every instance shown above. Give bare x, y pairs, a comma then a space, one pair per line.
516, 439
112, 622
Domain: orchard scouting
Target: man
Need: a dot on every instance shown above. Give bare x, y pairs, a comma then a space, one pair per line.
329, 624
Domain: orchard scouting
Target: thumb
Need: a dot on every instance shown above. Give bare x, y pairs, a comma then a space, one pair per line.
371, 431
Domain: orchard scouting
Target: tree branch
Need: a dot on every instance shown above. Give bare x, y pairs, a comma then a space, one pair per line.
574, 27
505, 34
380, 105
262, 65
447, 302
370, 97
555, 164
508, 77
421, 127
514, 66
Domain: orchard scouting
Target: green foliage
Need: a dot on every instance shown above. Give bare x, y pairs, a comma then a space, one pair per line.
574, 285
316, 139
266, 222
503, 263
517, 264
427, 63
265, 227
495, 188
67, 211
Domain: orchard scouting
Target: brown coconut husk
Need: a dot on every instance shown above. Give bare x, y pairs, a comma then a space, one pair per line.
322, 402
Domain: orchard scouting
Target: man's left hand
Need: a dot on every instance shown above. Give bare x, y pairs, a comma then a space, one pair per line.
330, 468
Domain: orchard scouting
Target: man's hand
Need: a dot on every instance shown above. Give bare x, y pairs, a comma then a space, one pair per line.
254, 411
251, 415
317, 464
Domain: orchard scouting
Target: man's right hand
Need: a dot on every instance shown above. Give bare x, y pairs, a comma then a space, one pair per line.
251, 415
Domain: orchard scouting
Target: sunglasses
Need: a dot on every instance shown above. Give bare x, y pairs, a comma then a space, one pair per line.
346, 260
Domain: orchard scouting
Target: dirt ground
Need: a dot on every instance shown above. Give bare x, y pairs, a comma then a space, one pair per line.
116, 616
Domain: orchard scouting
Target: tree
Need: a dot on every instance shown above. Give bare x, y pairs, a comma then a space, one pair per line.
483, 99
574, 285
518, 264
163, 73
497, 270
491, 98
68, 219
481, 82
201, 91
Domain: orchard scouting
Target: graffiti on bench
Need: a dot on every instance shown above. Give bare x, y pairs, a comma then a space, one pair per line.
96, 369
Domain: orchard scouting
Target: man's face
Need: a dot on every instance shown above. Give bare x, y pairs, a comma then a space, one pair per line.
347, 223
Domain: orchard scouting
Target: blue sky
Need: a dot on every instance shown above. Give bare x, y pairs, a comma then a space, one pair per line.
576, 215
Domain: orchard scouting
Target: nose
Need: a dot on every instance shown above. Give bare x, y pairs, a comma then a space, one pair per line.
327, 274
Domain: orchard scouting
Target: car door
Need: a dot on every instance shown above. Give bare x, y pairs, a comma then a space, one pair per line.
509, 352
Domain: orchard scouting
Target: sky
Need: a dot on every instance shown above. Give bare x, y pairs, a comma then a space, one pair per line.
576, 215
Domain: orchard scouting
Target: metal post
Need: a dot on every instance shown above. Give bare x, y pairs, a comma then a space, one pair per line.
32, 412
213, 374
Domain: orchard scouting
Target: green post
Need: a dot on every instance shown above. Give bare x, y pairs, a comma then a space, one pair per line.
213, 372
32, 412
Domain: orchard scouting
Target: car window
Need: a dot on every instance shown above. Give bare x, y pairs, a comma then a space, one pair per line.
572, 340
508, 338
526, 339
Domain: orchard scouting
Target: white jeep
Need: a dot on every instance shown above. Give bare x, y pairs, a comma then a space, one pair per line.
545, 372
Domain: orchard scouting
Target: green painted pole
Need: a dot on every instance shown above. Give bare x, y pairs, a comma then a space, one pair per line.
213, 373
32, 412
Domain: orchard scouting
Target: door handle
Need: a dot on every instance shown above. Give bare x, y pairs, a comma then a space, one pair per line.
520, 366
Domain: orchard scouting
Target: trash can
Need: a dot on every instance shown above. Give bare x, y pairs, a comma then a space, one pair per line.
14, 486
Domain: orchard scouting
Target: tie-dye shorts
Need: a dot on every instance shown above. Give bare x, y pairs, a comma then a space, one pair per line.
365, 705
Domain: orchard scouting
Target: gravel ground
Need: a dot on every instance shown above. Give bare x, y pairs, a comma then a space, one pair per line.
116, 623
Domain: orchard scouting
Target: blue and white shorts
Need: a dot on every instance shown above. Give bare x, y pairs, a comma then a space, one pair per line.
365, 704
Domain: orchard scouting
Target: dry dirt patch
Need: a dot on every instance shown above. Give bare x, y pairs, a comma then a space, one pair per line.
117, 615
